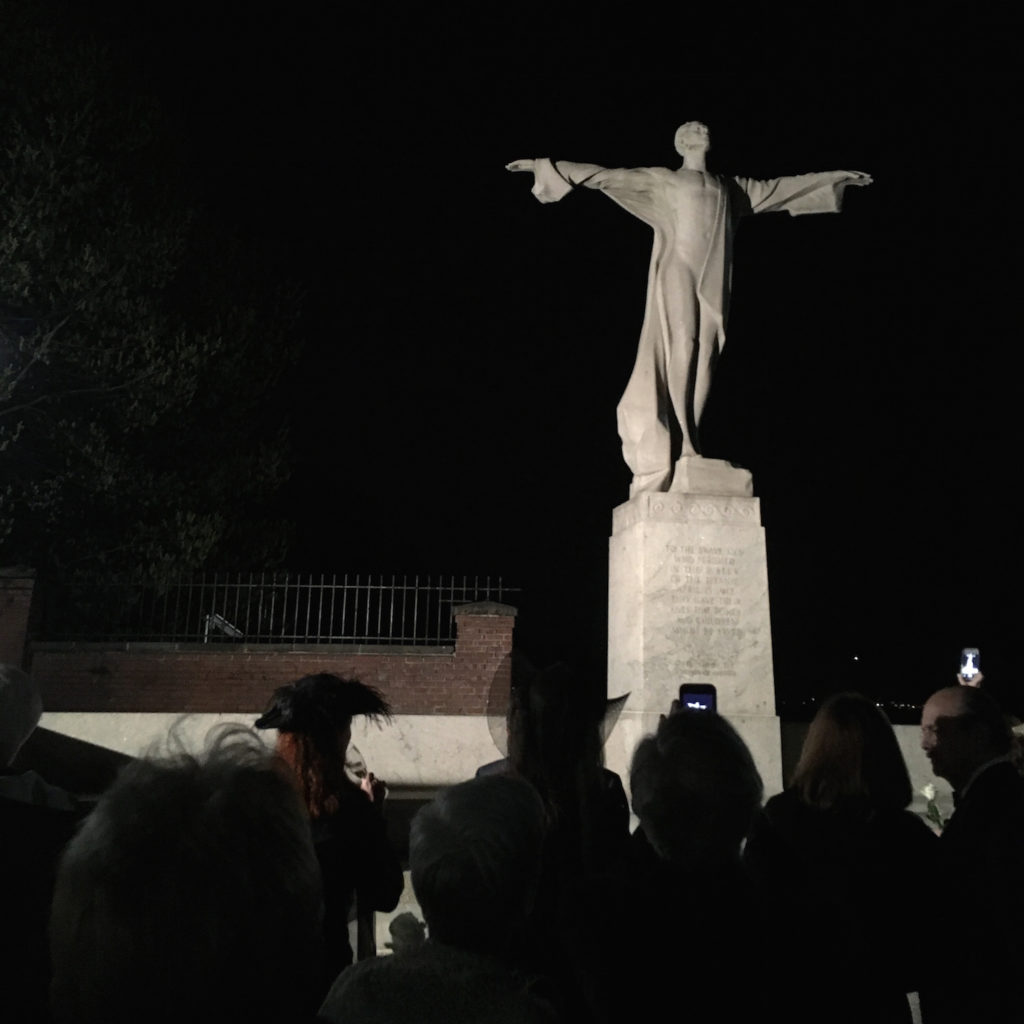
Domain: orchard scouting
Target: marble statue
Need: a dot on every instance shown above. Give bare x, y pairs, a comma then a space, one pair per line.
694, 215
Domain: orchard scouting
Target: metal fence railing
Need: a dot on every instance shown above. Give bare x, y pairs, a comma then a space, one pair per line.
273, 608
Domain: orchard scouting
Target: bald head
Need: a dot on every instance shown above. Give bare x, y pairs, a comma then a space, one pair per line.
947, 701
961, 729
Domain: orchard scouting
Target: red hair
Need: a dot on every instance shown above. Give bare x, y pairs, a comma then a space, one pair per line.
321, 779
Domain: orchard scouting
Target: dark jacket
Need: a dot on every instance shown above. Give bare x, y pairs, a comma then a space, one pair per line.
33, 834
698, 945
977, 906
359, 867
849, 873
435, 984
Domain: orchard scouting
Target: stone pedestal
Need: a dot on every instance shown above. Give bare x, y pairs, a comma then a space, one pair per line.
688, 603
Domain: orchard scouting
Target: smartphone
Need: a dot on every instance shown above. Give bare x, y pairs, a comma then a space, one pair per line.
970, 663
697, 697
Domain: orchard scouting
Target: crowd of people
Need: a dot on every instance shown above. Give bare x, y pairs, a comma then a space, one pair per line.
225, 885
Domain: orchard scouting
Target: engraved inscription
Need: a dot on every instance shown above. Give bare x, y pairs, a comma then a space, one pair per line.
706, 604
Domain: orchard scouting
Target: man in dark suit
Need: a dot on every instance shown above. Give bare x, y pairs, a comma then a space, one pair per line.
978, 902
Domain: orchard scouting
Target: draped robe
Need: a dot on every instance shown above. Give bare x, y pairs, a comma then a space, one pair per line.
694, 215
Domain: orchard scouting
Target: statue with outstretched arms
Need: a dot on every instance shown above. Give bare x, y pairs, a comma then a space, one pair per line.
694, 215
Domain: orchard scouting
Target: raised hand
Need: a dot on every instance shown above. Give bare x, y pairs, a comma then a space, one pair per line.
376, 789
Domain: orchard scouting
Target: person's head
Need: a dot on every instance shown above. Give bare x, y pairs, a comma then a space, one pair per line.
554, 727
851, 758
474, 857
962, 728
314, 721
20, 710
692, 137
192, 892
696, 789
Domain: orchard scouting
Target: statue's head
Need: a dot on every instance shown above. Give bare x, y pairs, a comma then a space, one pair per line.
691, 137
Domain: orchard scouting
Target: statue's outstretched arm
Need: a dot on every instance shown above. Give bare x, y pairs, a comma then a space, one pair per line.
820, 192
553, 180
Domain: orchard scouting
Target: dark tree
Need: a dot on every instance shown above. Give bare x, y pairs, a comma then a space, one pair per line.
140, 339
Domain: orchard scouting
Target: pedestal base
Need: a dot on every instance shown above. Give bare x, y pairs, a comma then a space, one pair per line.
688, 603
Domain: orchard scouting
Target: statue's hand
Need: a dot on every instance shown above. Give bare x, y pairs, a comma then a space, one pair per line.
858, 178
521, 165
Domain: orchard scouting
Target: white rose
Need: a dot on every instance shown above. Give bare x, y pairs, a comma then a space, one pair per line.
928, 792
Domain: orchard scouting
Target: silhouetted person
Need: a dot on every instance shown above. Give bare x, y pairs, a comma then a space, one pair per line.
555, 742
36, 822
977, 906
685, 935
837, 847
191, 893
474, 856
361, 870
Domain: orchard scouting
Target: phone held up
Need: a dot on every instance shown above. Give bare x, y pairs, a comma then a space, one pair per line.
698, 697
970, 663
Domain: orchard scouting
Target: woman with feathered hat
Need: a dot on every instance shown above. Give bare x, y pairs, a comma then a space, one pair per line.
361, 870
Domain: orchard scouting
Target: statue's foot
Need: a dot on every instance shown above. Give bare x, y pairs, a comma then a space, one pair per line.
695, 474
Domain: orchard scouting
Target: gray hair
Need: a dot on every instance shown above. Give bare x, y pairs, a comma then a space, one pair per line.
474, 855
192, 891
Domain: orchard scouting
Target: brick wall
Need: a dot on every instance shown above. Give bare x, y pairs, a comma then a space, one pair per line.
226, 677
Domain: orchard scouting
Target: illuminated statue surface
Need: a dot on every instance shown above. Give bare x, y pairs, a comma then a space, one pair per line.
694, 215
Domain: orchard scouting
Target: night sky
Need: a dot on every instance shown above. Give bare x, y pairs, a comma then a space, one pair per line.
454, 411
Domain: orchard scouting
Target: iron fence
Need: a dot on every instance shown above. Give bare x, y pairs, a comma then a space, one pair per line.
256, 608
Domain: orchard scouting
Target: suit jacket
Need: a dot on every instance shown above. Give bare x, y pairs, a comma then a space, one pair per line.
976, 906
986, 824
